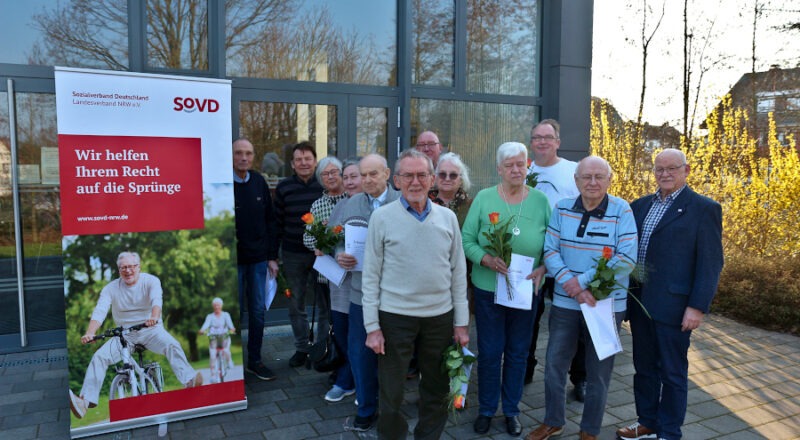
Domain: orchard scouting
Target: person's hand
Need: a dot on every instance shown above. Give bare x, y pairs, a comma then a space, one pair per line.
201, 332
461, 335
495, 263
232, 331
536, 276
346, 261
375, 341
573, 287
586, 297
272, 265
87, 338
151, 322
692, 318
318, 252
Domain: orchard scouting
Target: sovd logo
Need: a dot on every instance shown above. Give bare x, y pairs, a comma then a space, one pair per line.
190, 105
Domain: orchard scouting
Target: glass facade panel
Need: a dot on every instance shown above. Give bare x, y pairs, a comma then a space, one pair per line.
177, 34
503, 47
77, 33
432, 41
9, 309
474, 130
372, 131
341, 41
274, 127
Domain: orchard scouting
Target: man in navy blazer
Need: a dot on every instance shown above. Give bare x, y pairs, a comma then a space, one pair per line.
680, 259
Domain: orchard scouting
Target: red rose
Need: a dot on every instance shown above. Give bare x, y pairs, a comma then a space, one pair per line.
494, 218
607, 254
307, 218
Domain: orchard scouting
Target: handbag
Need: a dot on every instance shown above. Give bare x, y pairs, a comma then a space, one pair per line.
324, 355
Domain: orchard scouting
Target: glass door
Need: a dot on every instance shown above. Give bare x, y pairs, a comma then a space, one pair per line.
31, 270
373, 126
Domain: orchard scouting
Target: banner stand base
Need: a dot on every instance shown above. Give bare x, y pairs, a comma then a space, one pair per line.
161, 418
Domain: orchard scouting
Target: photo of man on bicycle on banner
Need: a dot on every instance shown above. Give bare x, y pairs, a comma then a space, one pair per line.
135, 300
218, 326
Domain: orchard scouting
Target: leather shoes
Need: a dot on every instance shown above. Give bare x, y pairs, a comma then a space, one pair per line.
513, 426
580, 391
482, 424
586, 436
544, 432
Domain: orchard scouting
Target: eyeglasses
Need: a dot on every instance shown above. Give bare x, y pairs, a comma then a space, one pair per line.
330, 173
427, 146
669, 170
409, 177
548, 137
596, 177
129, 267
452, 176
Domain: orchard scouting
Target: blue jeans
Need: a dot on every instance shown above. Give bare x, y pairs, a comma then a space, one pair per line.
341, 324
566, 326
504, 335
299, 271
660, 384
253, 284
363, 362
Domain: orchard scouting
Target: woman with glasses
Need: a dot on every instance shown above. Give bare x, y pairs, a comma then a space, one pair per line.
504, 333
340, 181
451, 186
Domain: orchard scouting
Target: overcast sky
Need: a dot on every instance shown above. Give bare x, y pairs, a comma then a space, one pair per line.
617, 53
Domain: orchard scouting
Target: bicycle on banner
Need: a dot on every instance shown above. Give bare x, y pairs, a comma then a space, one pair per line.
133, 378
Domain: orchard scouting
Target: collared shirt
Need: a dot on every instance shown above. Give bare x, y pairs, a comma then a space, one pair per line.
597, 212
238, 179
377, 202
421, 216
657, 209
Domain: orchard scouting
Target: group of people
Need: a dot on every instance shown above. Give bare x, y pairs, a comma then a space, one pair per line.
426, 247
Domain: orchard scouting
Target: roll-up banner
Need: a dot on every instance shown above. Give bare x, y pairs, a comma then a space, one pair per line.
145, 169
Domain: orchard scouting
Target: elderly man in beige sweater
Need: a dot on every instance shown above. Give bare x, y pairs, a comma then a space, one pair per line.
415, 293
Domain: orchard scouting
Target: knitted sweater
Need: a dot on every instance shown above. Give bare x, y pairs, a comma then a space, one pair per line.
414, 268
568, 255
256, 228
293, 198
534, 215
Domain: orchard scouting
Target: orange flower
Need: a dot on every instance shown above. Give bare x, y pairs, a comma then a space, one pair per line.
288, 293
307, 218
458, 402
494, 217
337, 229
607, 254
530, 161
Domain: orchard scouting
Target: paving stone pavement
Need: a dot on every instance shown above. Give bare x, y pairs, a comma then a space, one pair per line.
744, 384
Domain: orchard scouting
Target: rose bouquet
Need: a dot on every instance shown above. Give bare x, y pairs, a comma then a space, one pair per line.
325, 237
500, 242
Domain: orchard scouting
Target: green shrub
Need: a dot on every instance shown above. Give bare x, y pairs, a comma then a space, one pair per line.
761, 291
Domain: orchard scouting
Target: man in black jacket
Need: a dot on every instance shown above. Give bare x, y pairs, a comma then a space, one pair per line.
256, 248
293, 198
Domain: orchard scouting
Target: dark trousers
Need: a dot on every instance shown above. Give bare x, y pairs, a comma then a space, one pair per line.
430, 336
252, 287
577, 370
298, 268
660, 385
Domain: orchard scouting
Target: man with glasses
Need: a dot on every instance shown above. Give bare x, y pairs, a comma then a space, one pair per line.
356, 211
680, 260
293, 198
556, 179
428, 143
415, 296
579, 230
134, 298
